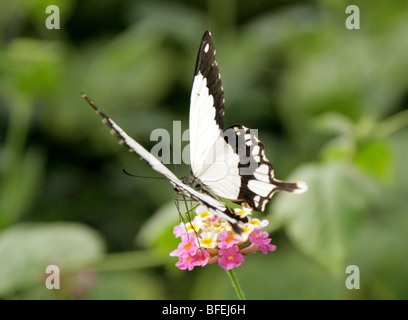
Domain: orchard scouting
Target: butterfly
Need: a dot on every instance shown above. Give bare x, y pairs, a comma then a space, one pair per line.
230, 164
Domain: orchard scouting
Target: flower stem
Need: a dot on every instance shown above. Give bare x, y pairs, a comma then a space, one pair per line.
235, 284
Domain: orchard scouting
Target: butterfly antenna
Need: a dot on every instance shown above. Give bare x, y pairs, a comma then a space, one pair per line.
138, 176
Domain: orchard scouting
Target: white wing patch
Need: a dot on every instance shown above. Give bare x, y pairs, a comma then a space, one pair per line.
260, 188
221, 172
213, 160
204, 130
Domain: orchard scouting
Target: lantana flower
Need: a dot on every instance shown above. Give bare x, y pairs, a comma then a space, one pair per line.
207, 239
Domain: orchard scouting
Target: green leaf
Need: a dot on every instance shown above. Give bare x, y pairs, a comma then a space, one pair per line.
139, 67
324, 221
19, 185
338, 148
380, 252
157, 232
126, 286
26, 250
31, 67
376, 158
334, 122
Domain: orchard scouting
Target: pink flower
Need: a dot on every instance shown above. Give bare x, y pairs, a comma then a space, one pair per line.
179, 230
201, 258
230, 258
207, 239
226, 240
261, 238
187, 247
185, 263
190, 261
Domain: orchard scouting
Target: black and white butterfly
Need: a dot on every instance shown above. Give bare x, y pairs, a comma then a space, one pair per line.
230, 164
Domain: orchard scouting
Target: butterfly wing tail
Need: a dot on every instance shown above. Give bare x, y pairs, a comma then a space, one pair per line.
294, 187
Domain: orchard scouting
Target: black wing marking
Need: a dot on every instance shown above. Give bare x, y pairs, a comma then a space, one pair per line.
258, 183
208, 67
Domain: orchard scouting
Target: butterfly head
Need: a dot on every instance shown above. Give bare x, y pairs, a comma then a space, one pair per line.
194, 183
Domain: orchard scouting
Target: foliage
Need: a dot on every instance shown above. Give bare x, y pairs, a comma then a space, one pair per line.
330, 105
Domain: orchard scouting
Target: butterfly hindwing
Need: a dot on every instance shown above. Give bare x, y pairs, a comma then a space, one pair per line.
257, 181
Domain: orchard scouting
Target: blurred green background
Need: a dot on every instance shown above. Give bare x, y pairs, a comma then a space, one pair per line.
330, 105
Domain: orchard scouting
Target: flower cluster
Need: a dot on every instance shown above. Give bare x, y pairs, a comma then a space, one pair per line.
207, 239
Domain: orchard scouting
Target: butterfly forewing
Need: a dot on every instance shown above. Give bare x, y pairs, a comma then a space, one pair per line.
216, 206
206, 108
213, 161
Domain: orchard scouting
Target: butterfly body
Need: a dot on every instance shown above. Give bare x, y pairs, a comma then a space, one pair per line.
195, 183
